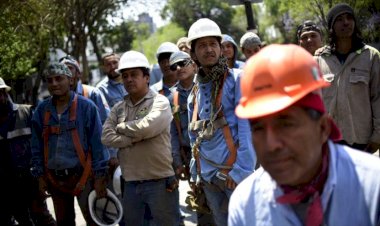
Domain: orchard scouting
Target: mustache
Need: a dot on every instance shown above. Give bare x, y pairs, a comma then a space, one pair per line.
210, 54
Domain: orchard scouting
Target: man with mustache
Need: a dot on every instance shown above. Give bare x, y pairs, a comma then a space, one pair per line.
139, 127
112, 86
353, 69
223, 154
306, 178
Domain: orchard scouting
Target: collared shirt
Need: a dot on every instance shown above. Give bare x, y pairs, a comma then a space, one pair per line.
62, 154
113, 91
239, 64
216, 148
183, 94
97, 97
141, 131
353, 98
350, 195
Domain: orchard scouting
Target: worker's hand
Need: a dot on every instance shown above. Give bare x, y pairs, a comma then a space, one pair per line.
372, 147
113, 163
100, 186
120, 128
230, 183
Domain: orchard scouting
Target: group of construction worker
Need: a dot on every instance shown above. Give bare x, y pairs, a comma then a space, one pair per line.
284, 138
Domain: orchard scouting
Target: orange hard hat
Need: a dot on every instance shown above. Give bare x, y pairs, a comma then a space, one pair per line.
275, 78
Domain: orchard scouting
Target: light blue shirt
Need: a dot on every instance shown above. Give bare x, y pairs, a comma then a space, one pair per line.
112, 91
351, 195
216, 148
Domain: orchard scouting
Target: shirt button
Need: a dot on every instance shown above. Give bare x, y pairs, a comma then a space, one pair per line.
206, 101
206, 110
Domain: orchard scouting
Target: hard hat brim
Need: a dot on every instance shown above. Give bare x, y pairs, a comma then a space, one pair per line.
272, 103
91, 200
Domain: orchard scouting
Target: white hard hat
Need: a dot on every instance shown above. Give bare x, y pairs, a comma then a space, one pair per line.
178, 56
203, 28
132, 59
166, 47
106, 211
116, 181
3, 85
249, 38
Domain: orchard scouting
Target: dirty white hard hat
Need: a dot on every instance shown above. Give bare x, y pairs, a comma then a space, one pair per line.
106, 211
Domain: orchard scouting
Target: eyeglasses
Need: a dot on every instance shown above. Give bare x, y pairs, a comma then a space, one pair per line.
180, 64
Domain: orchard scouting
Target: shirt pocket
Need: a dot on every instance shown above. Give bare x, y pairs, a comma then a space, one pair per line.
358, 85
359, 78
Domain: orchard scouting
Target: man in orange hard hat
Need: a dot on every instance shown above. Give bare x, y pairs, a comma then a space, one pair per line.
306, 178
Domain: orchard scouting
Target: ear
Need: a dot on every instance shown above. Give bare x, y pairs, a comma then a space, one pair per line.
193, 56
325, 128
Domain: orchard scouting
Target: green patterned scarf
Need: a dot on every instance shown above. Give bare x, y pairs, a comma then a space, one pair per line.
215, 73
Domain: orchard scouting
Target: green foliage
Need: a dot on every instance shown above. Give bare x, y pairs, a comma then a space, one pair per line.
286, 15
23, 37
186, 12
169, 33
120, 37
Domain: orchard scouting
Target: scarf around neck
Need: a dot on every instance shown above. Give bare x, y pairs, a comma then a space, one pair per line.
216, 72
312, 190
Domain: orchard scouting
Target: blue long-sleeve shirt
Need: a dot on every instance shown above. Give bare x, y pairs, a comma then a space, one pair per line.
62, 154
97, 97
112, 91
183, 94
216, 148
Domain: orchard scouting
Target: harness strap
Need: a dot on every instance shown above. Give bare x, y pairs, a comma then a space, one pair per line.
85, 91
85, 162
232, 147
176, 117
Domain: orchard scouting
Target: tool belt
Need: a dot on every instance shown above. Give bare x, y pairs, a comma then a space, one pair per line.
208, 126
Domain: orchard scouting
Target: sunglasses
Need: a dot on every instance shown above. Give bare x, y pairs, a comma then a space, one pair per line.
180, 64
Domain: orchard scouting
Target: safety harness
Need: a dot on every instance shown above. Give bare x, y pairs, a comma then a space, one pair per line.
85, 90
177, 108
208, 127
85, 162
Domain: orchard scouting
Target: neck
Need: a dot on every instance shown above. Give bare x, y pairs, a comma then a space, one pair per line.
169, 82
61, 102
116, 78
344, 45
136, 97
230, 63
187, 83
